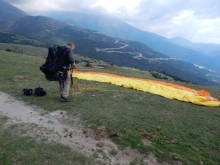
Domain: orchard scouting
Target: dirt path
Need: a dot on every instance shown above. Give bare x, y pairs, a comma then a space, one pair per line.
57, 126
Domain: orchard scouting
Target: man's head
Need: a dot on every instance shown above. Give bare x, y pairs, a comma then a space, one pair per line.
71, 45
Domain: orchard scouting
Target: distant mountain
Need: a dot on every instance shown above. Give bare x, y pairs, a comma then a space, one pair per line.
184, 50
113, 50
117, 51
200, 47
214, 53
9, 13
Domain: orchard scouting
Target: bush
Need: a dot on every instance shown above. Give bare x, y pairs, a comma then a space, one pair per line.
9, 50
156, 75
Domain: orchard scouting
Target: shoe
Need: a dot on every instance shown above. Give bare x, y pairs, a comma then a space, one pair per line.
64, 99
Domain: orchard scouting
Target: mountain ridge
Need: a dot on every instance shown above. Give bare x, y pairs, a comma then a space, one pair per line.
113, 50
9, 13
117, 51
200, 47
116, 28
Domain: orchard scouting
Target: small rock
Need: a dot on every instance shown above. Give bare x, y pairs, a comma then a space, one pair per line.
101, 132
100, 144
175, 157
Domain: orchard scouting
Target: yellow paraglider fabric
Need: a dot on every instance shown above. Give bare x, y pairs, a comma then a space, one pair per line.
164, 89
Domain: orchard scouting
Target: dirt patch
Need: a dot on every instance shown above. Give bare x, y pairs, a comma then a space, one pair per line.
60, 127
151, 135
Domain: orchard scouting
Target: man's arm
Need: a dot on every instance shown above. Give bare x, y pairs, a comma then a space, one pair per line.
71, 59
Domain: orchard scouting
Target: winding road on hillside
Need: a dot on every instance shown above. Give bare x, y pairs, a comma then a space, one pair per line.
136, 55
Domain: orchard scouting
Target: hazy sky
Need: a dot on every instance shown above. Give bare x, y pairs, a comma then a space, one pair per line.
195, 20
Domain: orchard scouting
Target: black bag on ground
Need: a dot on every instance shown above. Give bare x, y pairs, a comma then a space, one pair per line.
39, 91
53, 67
27, 91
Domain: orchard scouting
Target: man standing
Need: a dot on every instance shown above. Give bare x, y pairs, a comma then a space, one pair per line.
69, 63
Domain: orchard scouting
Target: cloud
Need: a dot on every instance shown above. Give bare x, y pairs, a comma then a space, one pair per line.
171, 18
191, 19
206, 30
40, 6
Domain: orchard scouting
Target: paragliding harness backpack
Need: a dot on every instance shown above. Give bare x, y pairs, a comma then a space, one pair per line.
54, 68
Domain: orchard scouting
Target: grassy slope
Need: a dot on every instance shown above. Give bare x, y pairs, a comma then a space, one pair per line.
125, 111
24, 49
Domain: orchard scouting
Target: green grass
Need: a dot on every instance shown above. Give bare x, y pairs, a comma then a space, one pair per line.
24, 49
125, 111
15, 149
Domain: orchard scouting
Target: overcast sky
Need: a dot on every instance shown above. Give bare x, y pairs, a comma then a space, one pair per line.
195, 20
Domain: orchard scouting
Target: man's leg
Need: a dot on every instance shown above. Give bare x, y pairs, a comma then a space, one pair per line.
65, 85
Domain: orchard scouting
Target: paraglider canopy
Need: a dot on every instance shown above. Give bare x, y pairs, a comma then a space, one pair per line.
167, 90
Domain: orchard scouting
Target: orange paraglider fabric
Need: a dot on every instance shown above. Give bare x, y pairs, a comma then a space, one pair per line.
165, 89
